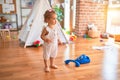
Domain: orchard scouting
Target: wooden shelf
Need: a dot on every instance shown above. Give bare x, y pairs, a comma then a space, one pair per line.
9, 15
26, 7
13, 23
8, 22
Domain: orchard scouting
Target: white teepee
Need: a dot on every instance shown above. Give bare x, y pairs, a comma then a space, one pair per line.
33, 26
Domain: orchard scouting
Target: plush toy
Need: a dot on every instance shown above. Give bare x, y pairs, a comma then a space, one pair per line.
83, 59
7, 26
2, 19
36, 43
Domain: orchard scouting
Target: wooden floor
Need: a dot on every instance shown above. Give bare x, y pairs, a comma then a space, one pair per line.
18, 63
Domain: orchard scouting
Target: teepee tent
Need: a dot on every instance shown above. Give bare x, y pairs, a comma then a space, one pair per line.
33, 26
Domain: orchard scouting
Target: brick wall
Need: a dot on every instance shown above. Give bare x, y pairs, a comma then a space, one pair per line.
90, 12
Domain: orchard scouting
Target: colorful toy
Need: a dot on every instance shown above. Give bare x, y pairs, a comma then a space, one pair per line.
7, 26
3, 19
14, 37
36, 43
83, 59
85, 36
73, 38
104, 35
68, 32
8, 37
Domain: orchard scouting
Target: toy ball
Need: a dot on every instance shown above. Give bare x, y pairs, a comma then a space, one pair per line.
71, 39
74, 37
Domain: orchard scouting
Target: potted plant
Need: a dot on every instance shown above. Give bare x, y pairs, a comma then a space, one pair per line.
59, 13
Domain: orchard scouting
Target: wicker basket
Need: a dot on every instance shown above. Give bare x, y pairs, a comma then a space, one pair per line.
93, 34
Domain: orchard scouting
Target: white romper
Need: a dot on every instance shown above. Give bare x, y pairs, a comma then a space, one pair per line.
50, 49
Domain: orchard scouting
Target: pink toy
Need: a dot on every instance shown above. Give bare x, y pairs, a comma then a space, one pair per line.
36, 43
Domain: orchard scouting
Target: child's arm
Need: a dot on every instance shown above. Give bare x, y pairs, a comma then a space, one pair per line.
59, 40
44, 33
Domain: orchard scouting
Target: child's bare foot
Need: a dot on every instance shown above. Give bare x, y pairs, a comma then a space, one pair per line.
47, 69
54, 66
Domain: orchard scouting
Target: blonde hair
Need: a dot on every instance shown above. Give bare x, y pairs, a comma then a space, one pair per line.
48, 14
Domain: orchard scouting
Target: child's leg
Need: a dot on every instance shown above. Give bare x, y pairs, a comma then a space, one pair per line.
52, 65
46, 65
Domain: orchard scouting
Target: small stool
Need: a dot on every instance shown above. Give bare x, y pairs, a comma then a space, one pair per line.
5, 33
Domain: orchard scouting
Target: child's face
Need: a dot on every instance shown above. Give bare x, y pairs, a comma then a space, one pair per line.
52, 19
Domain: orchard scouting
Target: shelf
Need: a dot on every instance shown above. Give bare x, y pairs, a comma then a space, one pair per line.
11, 20
13, 29
8, 22
26, 7
7, 14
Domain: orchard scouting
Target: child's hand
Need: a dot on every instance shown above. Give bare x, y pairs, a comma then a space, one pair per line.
59, 42
48, 40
